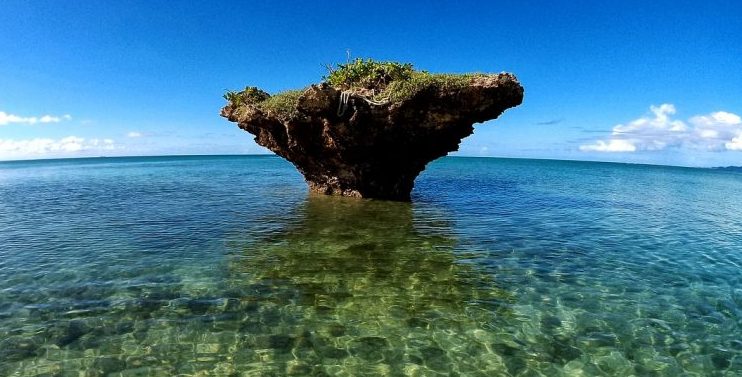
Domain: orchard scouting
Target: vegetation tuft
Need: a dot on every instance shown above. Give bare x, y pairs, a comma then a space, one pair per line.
283, 103
389, 82
367, 74
398, 91
250, 96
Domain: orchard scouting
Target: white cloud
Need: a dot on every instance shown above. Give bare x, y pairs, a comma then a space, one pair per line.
735, 144
610, 146
10, 148
717, 131
6, 119
717, 118
134, 134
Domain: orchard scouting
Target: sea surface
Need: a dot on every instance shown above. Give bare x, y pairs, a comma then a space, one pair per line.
227, 266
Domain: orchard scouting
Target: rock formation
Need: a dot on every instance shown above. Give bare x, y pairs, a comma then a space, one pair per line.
344, 143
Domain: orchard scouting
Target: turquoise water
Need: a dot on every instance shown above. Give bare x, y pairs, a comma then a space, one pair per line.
226, 266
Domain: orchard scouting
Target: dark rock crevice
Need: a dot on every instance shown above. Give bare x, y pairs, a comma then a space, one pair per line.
375, 150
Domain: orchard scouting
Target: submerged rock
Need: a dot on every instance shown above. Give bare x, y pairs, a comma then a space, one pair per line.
349, 142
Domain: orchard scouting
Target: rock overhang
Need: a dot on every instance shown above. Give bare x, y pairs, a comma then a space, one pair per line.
346, 142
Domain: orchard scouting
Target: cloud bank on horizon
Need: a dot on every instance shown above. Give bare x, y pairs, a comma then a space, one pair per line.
719, 133
6, 119
715, 132
39, 147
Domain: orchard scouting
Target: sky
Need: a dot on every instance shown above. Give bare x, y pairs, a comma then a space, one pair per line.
656, 82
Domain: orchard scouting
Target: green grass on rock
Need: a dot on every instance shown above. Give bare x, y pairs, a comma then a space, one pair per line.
388, 82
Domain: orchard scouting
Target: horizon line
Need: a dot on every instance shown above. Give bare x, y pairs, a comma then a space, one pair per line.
275, 155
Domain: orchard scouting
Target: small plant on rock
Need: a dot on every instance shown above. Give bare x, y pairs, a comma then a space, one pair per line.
250, 96
367, 74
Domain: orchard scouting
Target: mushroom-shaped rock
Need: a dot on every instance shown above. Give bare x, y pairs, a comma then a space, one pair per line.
350, 142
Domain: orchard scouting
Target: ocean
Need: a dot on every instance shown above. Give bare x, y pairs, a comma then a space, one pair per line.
228, 266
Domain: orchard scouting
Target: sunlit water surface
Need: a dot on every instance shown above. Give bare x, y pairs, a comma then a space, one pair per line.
226, 266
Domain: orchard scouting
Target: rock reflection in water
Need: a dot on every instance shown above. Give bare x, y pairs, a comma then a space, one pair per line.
361, 285
341, 287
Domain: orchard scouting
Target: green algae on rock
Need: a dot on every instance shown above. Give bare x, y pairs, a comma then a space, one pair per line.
371, 127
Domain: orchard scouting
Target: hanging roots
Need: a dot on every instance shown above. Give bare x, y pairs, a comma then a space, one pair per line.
376, 103
345, 98
343, 104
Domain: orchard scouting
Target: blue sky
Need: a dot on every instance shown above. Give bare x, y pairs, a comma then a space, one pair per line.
631, 81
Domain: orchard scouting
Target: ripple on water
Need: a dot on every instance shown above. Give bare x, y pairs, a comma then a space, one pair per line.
223, 266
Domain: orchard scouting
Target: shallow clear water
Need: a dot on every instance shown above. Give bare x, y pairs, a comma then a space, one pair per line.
227, 266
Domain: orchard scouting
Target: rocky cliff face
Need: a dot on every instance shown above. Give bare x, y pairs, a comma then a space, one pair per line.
348, 145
